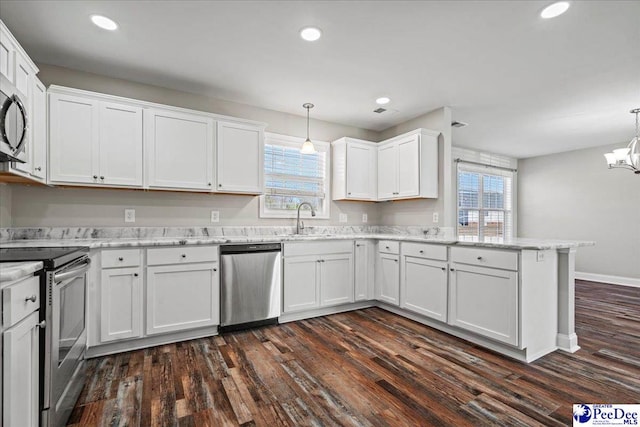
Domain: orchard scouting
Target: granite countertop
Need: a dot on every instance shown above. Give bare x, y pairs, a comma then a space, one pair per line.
10, 271
515, 243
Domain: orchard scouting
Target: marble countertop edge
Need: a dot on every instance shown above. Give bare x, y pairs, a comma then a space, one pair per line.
10, 271
516, 243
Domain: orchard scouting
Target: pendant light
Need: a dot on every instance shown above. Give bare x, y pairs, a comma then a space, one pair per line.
307, 146
629, 157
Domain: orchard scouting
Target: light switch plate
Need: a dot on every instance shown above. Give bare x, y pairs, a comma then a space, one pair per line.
215, 216
343, 217
129, 215
365, 217
436, 217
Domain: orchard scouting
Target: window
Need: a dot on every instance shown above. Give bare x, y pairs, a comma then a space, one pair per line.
292, 177
485, 203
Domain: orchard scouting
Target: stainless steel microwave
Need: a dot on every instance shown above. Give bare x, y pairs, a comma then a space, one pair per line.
13, 123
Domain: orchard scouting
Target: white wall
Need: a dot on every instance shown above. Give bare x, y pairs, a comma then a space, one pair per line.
38, 206
573, 195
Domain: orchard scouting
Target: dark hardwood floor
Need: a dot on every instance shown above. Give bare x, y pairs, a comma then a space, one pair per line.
368, 368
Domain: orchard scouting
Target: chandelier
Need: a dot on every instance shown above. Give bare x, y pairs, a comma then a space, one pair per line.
629, 157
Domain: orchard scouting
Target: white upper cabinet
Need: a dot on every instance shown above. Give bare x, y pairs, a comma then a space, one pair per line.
387, 171
39, 130
179, 148
240, 158
120, 133
94, 141
355, 165
73, 143
408, 166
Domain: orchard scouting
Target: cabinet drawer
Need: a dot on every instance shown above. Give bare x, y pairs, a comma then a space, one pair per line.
318, 248
495, 258
20, 300
181, 255
389, 247
421, 250
121, 258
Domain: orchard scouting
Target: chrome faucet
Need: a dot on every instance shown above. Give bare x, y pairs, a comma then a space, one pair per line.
300, 224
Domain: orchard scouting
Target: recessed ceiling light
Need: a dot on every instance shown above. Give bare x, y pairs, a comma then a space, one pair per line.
310, 34
382, 100
104, 22
555, 9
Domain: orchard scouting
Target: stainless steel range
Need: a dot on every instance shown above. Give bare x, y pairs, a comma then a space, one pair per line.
63, 341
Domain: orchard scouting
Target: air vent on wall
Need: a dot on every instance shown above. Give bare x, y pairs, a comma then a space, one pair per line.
457, 124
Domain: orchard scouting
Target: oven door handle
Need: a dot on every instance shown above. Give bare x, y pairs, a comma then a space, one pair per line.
60, 277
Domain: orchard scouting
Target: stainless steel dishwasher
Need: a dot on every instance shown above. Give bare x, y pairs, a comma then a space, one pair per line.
250, 285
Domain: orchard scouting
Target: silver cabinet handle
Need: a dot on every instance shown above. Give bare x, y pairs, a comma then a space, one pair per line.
32, 298
183, 255
443, 269
451, 269
38, 168
135, 274
120, 258
479, 258
421, 252
215, 269
95, 176
386, 247
42, 324
209, 184
102, 178
219, 185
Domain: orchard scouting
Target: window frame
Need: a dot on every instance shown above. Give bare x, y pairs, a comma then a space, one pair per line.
481, 170
296, 142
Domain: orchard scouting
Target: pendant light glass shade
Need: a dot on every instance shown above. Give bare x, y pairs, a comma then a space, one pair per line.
628, 157
307, 146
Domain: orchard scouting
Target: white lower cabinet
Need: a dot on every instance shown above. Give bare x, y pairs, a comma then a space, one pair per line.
181, 297
336, 279
300, 283
317, 275
364, 260
20, 356
485, 301
423, 287
388, 278
120, 303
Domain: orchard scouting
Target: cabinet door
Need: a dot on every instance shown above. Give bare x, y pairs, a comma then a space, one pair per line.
364, 270
39, 130
423, 285
408, 167
361, 171
7, 55
120, 144
240, 158
301, 283
336, 279
73, 143
120, 304
388, 278
179, 149
485, 301
20, 366
387, 171
181, 297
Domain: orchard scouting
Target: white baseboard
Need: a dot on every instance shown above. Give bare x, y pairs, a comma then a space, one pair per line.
605, 278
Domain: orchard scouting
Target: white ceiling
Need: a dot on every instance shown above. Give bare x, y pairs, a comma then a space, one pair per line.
527, 86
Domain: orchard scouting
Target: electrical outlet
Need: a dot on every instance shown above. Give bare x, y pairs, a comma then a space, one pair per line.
129, 215
343, 217
365, 217
215, 216
436, 217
